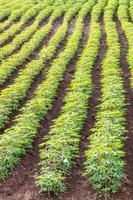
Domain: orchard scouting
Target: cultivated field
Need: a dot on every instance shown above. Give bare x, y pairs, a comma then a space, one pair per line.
66, 99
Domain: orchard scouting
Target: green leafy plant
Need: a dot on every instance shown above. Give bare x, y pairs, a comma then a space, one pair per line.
15, 141
25, 35
30, 13
10, 64
128, 30
11, 96
104, 163
61, 146
7, 9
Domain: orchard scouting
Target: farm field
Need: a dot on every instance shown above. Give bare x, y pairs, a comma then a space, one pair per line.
66, 100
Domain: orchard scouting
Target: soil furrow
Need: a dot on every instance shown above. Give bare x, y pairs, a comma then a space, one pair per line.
20, 185
56, 24
4, 19
78, 187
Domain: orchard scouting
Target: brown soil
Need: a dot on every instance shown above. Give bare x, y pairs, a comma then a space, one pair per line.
4, 19
20, 184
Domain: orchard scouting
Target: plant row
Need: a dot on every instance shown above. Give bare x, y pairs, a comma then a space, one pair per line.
31, 13
10, 4
25, 35
104, 163
127, 27
10, 8
12, 95
130, 9
15, 60
15, 15
61, 145
16, 140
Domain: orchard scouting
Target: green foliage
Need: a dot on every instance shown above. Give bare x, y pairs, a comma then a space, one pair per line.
10, 64
131, 9
11, 96
16, 14
104, 163
96, 12
25, 35
15, 141
128, 29
11, 31
7, 9
61, 146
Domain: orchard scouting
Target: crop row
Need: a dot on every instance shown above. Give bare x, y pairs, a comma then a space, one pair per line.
32, 12
12, 95
16, 140
9, 4
10, 8
15, 60
127, 26
104, 158
131, 9
61, 147
25, 35
16, 14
